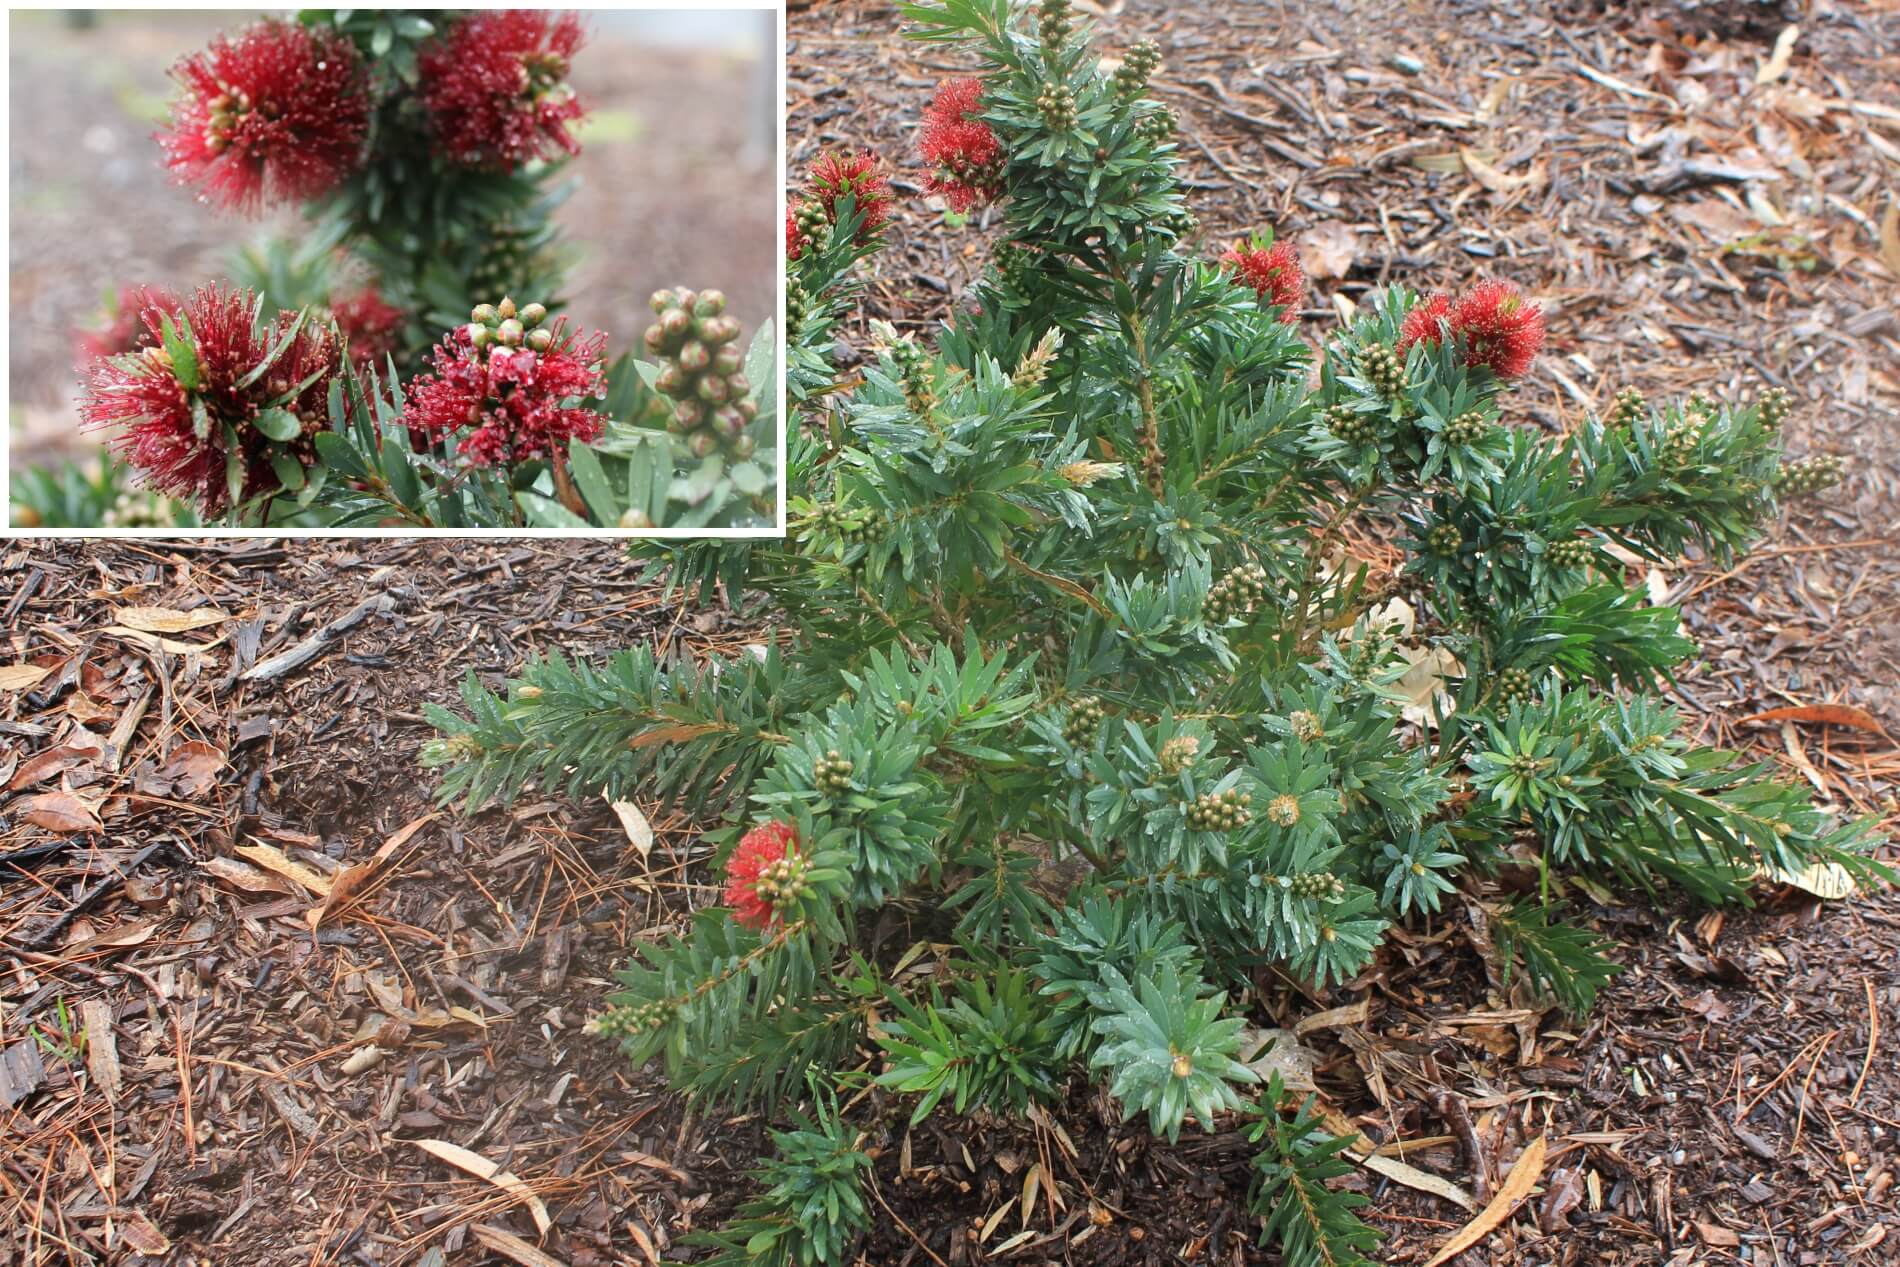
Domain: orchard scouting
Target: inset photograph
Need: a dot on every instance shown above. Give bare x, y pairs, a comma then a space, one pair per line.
399, 269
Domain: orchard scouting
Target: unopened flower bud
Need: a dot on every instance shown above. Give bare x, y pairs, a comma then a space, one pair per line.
480, 335
727, 360
672, 381
686, 300
689, 414
694, 358
728, 421
674, 323
742, 446
506, 308
661, 301
541, 340
533, 315
485, 313
711, 303
701, 444
655, 339
634, 517
510, 331
712, 389
747, 407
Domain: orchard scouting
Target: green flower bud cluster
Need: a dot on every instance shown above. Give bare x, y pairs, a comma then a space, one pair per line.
1055, 23
1628, 408
1516, 686
1467, 429
1017, 265
1383, 368
1057, 105
1131, 77
1084, 721
1679, 442
1321, 886
1284, 810
1180, 222
509, 255
1444, 539
782, 885
809, 223
631, 1019
798, 307
1349, 426
224, 112
1573, 552
502, 325
1775, 406
1225, 811
1305, 725
711, 394
848, 523
1158, 125
1178, 754
1809, 475
1237, 593
832, 772
913, 365
1700, 403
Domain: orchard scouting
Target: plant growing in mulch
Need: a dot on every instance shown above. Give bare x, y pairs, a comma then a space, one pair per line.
1085, 721
404, 362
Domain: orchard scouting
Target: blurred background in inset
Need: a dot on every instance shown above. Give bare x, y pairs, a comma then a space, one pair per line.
677, 179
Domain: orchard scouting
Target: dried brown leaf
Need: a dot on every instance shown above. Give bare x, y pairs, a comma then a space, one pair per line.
1890, 236
21, 677
1516, 1186
271, 858
61, 812
193, 766
165, 620
42, 766
1777, 64
482, 1168
639, 830
1823, 715
1327, 250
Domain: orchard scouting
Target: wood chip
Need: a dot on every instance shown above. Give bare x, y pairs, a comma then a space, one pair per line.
102, 1048
513, 1246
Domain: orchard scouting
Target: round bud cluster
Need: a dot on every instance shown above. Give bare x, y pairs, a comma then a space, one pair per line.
913, 365
849, 523
1131, 77
1679, 442
1177, 754
1056, 23
1525, 766
1305, 725
1284, 810
1321, 886
1017, 265
1467, 429
1057, 104
711, 394
1700, 403
1515, 685
1224, 811
1383, 368
1444, 539
1180, 222
1576, 552
1775, 406
1084, 721
1237, 593
782, 883
642, 1018
1157, 125
1628, 408
1809, 475
1349, 426
226, 111
832, 772
509, 254
502, 325
809, 224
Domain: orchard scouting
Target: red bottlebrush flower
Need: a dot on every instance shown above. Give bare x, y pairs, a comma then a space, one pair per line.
964, 151
1500, 330
794, 238
1422, 322
1274, 273
124, 330
512, 399
369, 326
277, 114
178, 438
494, 85
764, 874
834, 176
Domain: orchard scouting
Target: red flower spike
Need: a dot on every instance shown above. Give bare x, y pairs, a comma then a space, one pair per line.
277, 114
1500, 330
835, 175
176, 439
369, 326
757, 870
794, 240
124, 331
512, 400
1275, 275
494, 86
1422, 323
964, 151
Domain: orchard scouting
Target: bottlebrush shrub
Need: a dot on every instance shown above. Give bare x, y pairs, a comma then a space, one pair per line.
1080, 716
